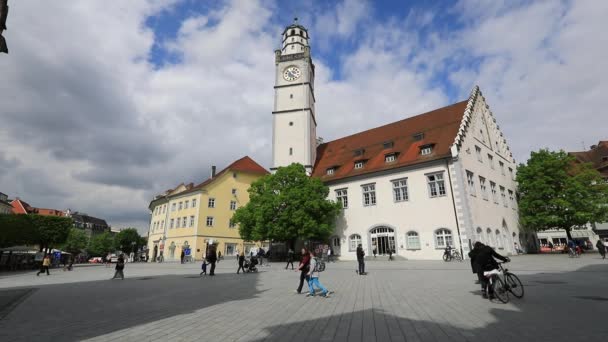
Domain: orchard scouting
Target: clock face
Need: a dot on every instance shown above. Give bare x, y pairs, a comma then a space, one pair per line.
291, 73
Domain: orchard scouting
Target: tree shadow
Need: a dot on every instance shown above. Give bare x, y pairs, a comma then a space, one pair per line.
76, 311
556, 307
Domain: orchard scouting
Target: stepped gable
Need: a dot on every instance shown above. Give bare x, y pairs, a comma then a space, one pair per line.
439, 128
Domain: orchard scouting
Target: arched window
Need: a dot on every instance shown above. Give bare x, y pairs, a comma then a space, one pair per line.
413, 240
499, 240
354, 241
490, 237
293, 31
443, 238
479, 235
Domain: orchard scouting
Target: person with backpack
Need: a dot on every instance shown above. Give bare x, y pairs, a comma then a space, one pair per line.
289, 258
361, 260
304, 268
120, 266
313, 280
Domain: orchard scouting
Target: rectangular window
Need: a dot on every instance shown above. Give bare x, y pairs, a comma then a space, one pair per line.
400, 193
426, 150
503, 195
484, 189
491, 161
162, 224
494, 194
231, 224
164, 208
194, 203
478, 152
512, 199
211, 203
330, 171
471, 183
186, 203
418, 136
180, 206
342, 197
173, 207
172, 223
233, 192
413, 240
390, 158
358, 165
436, 185
290, 151
232, 205
177, 221
511, 173
502, 167
191, 221
185, 222
209, 221
388, 144
369, 194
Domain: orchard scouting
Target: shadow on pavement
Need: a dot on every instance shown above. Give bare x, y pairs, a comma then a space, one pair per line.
76, 311
556, 307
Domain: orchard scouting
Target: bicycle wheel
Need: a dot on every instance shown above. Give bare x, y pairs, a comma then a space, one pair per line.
500, 290
514, 284
446, 258
457, 256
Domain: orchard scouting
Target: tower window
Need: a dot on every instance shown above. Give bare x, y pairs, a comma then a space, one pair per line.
293, 47
293, 31
293, 39
290, 151
291, 96
290, 123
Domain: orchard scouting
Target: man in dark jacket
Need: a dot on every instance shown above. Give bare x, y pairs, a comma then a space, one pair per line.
212, 258
484, 261
472, 254
289, 258
361, 260
120, 266
241, 262
601, 248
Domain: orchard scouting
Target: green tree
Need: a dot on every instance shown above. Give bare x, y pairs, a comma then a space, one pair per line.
52, 230
125, 238
17, 230
556, 191
76, 242
101, 244
45, 231
286, 206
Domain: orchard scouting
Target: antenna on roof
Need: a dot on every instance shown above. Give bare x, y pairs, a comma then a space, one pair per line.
295, 20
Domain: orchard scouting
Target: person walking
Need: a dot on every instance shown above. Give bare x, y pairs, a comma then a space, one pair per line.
46, 263
329, 255
120, 266
219, 256
289, 258
182, 256
601, 248
390, 254
375, 251
108, 260
212, 258
204, 267
304, 268
361, 260
261, 256
241, 263
313, 280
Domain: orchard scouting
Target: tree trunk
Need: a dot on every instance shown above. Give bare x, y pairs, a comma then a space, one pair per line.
568, 234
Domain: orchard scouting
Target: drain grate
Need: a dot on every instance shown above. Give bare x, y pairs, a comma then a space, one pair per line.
595, 298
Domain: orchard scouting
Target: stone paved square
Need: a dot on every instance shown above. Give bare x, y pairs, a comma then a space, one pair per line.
565, 300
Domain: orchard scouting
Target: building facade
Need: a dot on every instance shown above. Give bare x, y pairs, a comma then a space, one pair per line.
5, 205
446, 177
190, 217
90, 224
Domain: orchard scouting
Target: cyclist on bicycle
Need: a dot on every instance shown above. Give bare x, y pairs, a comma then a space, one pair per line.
484, 261
448, 251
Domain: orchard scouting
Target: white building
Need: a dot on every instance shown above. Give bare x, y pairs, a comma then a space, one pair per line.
415, 185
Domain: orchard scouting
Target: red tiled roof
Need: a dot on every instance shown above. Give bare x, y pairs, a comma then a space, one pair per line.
598, 156
439, 127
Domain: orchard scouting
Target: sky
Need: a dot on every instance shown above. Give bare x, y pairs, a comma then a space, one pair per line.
105, 104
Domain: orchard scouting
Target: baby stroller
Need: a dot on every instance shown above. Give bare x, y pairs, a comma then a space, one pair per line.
250, 264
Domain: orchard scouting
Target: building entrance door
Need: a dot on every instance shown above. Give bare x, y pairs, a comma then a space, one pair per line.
383, 240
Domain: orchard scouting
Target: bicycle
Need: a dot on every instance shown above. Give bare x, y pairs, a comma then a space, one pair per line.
502, 282
573, 253
453, 254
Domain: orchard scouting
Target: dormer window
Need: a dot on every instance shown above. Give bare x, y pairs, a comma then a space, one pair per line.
418, 136
388, 144
331, 170
391, 157
426, 149
359, 164
359, 152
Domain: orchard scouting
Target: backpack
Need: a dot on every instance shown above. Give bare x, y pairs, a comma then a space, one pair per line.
318, 267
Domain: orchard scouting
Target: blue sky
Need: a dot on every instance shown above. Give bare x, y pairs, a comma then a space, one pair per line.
114, 102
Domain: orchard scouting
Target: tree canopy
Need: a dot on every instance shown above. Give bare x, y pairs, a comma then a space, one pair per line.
286, 206
556, 191
76, 242
124, 240
101, 244
44, 231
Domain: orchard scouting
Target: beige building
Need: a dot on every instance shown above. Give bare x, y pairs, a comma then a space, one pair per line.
189, 217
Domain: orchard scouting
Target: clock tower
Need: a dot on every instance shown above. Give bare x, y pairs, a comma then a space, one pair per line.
294, 126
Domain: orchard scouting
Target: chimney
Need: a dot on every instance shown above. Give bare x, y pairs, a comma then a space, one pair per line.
213, 171
593, 147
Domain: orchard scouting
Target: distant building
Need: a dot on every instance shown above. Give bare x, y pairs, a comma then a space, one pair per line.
5, 205
20, 206
597, 155
91, 225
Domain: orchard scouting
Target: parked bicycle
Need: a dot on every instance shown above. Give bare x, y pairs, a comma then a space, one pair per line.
502, 282
451, 254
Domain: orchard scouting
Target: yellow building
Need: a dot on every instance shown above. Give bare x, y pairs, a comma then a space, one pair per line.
190, 217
